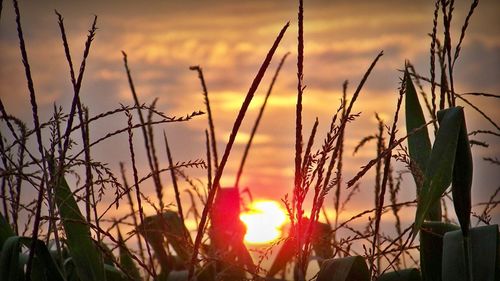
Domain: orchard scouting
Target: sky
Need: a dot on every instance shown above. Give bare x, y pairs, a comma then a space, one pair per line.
229, 40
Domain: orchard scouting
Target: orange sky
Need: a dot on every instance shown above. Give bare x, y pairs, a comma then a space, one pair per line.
229, 40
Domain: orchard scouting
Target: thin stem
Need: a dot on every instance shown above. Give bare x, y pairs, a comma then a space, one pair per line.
210, 115
36, 122
257, 122
174, 179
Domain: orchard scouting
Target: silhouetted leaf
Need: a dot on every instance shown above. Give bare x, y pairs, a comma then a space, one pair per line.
440, 165
401, 275
419, 145
344, 269
322, 240
43, 265
114, 274
44, 260
178, 275
285, 255
483, 257
86, 257
167, 227
9, 259
321, 243
226, 236
5, 230
431, 248
461, 183
126, 261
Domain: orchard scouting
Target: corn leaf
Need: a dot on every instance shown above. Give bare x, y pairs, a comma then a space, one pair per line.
321, 240
439, 171
344, 269
178, 275
9, 259
401, 275
43, 260
86, 257
480, 248
419, 145
462, 179
167, 227
126, 261
114, 274
285, 255
5, 230
151, 230
431, 248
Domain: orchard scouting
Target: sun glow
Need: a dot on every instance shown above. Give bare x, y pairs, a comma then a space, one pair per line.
263, 220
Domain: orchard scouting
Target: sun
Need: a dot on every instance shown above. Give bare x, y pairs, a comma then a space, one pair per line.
263, 220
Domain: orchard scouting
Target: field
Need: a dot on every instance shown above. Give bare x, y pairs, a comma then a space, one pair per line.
233, 148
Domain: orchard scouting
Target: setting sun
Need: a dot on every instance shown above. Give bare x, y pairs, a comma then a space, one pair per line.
263, 220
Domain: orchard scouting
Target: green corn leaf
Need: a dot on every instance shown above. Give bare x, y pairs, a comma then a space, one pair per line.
178, 275
9, 259
479, 251
43, 260
151, 230
126, 261
401, 275
462, 179
431, 248
419, 144
114, 274
86, 257
321, 240
439, 171
5, 230
69, 268
167, 226
344, 269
